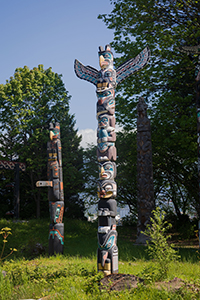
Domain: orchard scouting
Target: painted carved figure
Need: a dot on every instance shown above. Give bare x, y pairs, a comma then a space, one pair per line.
55, 190
107, 170
106, 81
106, 137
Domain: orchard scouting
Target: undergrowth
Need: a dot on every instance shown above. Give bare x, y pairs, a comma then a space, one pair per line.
73, 275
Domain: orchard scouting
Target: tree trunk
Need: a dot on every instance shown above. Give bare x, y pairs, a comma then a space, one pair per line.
38, 206
36, 196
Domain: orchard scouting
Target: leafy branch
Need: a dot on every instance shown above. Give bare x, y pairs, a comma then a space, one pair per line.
5, 232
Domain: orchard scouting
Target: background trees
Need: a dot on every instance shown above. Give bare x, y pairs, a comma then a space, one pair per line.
31, 98
28, 102
127, 170
167, 85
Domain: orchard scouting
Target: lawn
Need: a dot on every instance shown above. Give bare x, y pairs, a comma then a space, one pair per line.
31, 274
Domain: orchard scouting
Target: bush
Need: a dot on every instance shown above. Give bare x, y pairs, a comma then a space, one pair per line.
158, 248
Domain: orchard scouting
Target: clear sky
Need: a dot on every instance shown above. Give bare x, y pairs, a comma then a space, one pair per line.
54, 33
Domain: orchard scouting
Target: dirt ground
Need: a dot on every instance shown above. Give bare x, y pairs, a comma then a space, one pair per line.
119, 282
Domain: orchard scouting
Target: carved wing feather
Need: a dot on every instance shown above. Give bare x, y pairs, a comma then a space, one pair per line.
189, 49
86, 72
132, 65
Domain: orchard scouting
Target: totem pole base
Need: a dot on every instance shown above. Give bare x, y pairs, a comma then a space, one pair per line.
106, 269
56, 239
110, 264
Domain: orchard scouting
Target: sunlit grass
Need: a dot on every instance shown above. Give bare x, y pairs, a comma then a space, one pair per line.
73, 275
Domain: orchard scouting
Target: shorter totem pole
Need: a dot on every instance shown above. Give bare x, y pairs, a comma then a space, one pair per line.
145, 188
55, 190
106, 80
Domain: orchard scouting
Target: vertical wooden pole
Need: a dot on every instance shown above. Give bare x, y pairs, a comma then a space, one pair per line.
145, 188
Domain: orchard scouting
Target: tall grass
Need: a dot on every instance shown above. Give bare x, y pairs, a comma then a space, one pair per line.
30, 275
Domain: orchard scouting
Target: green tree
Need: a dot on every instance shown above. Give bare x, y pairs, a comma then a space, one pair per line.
72, 159
28, 102
91, 175
164, 25
167, 84
126, 145
175, 154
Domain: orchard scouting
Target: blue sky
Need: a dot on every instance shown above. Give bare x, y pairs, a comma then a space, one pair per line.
54, 33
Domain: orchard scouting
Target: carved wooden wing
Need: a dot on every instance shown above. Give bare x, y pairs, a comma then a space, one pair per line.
190, 49
132, 65
86, 72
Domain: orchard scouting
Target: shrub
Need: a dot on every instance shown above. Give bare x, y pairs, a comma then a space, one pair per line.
158, 248
5, 233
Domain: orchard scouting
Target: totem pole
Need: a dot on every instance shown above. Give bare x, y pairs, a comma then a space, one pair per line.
190, 50
145, 193
55, 190
106, 81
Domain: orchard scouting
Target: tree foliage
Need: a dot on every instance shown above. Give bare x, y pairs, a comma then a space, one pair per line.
127, 170
28, 102
164, 25
91, 175
167, 84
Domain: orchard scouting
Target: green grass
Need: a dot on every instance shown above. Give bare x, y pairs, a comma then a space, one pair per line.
73, 275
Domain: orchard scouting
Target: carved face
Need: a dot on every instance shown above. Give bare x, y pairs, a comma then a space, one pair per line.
106, 189
105, 96
142, 108
54, 134
54, 131
107, 170
105, 59
103, 121
106, 101
106, 79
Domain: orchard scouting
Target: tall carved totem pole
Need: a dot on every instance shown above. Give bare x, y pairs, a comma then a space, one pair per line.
106, 81
55, 190
145, 190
